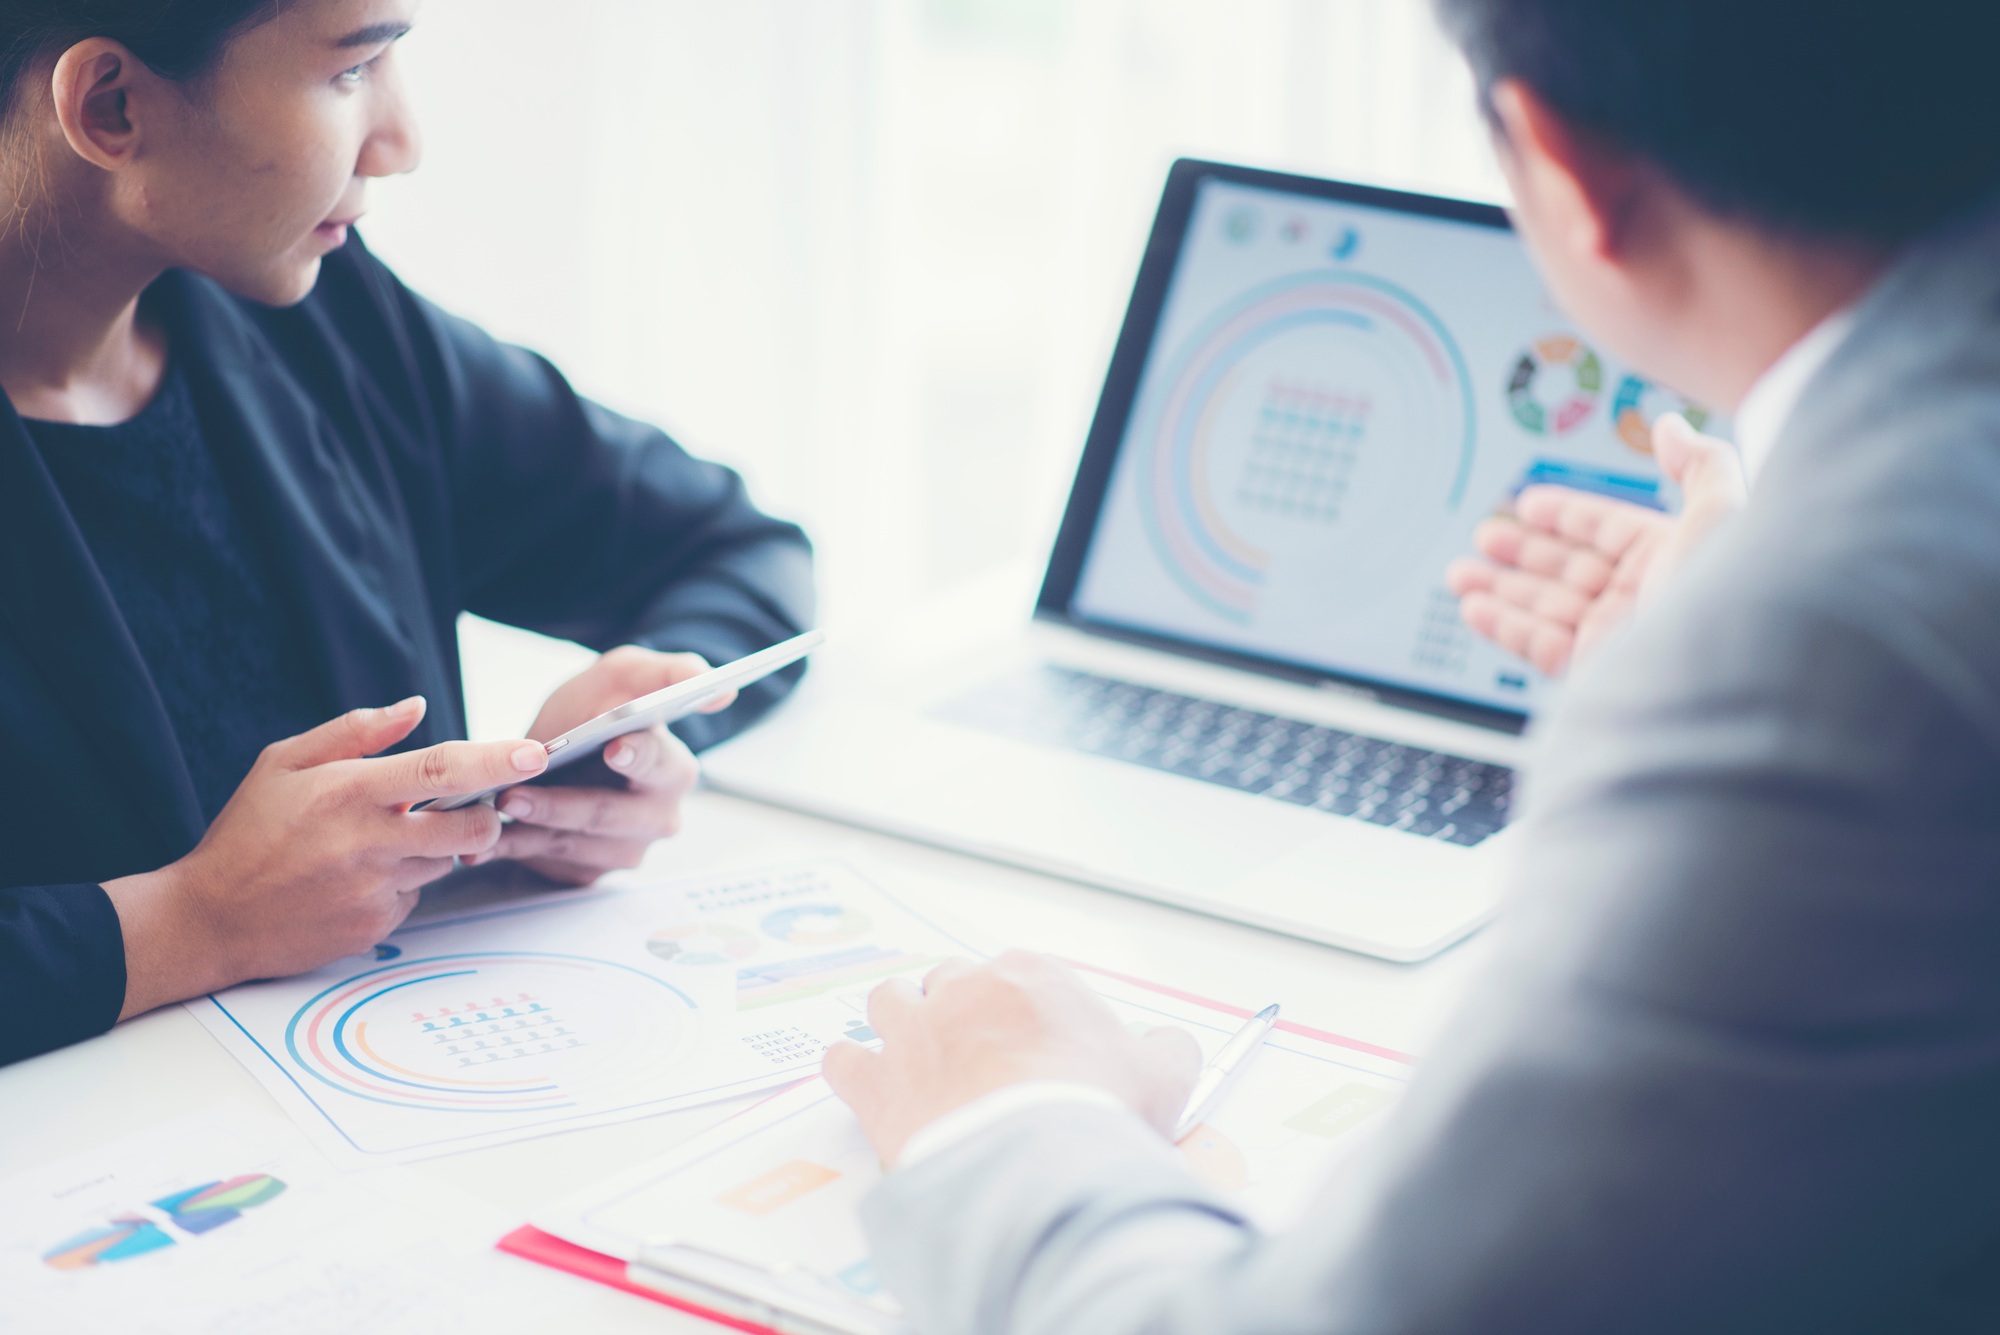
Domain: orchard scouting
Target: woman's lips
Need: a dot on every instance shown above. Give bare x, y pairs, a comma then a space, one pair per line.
335, 229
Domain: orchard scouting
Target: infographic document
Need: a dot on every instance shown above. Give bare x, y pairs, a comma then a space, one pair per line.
767, 1202
574, 1009
227, 1221
1335, 396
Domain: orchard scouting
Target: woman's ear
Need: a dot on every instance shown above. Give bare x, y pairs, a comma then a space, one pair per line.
93, 85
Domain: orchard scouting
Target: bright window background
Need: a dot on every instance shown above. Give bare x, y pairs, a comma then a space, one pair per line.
873, 253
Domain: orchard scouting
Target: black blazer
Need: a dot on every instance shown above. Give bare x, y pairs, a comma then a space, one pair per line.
401, 466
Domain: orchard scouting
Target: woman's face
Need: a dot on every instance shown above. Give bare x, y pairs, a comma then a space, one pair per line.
252, 173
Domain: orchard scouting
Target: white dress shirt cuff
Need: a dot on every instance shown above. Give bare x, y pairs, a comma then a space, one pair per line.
962, 1124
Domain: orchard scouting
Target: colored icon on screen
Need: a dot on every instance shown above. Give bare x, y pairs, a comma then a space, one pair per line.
1555, 385
1347, 245
1639, 403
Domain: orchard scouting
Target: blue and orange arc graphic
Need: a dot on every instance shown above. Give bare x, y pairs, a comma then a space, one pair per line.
1215, 565
330, 1035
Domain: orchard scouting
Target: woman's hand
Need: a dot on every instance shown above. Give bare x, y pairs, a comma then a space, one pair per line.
576, 834
316, 856
1568, 566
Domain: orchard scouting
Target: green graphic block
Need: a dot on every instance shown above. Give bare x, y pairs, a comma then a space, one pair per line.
1341, 1111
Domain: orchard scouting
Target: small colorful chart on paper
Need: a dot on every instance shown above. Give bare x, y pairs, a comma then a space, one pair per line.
574, 1010
227, 1220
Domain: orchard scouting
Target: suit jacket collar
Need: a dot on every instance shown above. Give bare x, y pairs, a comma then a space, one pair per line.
1941, 292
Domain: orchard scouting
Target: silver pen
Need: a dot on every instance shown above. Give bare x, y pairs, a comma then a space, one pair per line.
1216, 1077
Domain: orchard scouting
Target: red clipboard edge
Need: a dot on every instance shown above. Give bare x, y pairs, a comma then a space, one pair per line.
531, 1244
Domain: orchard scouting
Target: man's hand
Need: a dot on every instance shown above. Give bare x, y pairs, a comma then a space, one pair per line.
1568, 566
976, 1028
316, 856
576, 834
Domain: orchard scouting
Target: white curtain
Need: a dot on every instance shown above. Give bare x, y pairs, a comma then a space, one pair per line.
871, 252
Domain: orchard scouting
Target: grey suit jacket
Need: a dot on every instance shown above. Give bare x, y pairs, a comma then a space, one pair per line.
1738, 1064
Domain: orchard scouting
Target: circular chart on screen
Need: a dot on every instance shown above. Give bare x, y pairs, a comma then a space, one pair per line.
1640, 402
1555, 385
507, 1031
1292, 429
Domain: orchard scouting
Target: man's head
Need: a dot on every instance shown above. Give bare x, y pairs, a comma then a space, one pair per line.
232, 137
1658, 147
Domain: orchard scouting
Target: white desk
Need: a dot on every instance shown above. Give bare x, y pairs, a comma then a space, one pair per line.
164, 1064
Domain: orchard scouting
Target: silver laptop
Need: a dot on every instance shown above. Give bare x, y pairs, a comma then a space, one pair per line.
1246, 690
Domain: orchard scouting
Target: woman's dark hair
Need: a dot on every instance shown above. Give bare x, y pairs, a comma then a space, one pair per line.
178, 39
1853, 119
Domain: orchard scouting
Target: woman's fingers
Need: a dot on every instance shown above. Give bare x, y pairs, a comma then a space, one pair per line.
654, 761
605, 813
605, 853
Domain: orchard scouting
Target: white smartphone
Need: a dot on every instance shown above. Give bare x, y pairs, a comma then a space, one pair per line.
662, 706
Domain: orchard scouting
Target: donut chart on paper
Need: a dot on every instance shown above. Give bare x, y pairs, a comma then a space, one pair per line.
1287, 406
498, 1032
816, 925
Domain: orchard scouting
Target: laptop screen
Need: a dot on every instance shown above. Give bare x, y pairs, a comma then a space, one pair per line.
1320, 392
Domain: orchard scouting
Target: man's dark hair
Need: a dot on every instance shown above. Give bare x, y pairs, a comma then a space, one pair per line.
1854, 119
178, 39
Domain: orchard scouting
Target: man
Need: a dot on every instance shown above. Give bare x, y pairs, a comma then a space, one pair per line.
1737, 1066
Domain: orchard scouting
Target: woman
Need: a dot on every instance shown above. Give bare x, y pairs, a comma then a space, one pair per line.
248, 481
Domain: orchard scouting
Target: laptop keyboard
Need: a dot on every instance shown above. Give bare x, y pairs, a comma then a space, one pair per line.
1403, 787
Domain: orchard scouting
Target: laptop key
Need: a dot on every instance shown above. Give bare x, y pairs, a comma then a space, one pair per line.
1427, 793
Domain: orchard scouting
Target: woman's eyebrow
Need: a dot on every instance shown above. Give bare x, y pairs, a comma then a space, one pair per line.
375, 34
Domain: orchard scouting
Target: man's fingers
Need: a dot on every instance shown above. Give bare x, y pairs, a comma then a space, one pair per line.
1544, 597
1174, 1053
942, 975
848, 1068
522, 842
1548, 598
1574, 563
1175, 1060
1709, 469
452, 768
357, 733
1467, 575
1542, 642
1599, 523
892, 1007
